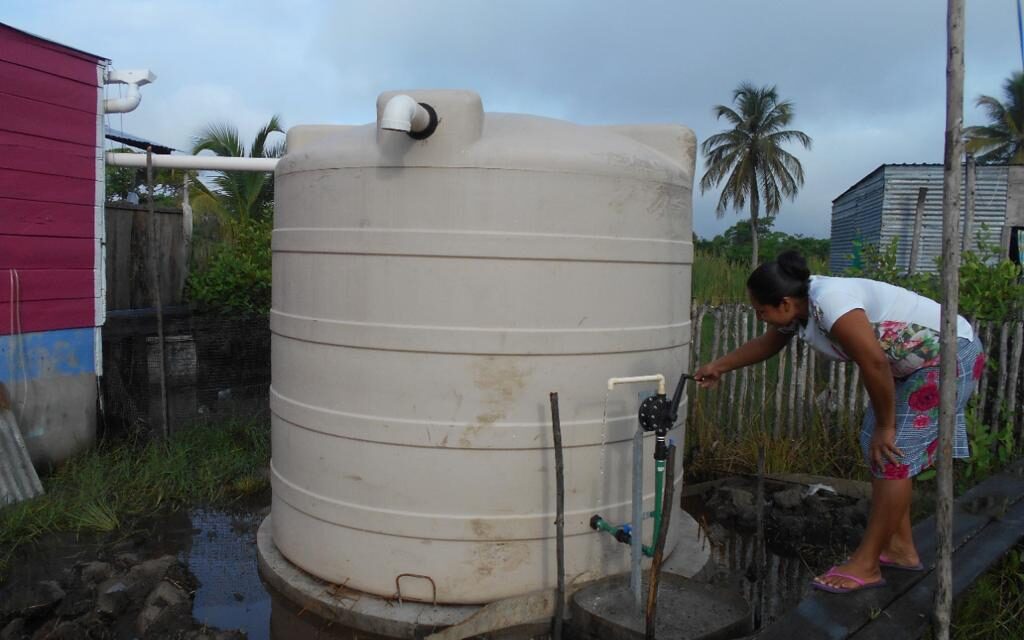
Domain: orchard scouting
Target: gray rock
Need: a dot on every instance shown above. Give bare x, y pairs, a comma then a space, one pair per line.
166, 594
96, 571
127, 559
15, 630
36, 601
739, 498
788, 499
143, 577
164, 597
113, 596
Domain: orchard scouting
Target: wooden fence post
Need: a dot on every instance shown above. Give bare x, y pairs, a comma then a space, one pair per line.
950, 302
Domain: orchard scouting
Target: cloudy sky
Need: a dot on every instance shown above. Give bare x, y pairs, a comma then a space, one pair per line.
867, 78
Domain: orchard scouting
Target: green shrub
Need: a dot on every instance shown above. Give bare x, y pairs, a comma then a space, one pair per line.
990, 286
236, 276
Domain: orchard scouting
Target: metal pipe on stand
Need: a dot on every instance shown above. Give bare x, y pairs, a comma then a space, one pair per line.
556, 431
636, 552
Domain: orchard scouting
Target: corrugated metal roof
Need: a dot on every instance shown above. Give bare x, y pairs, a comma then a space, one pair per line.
18, 479
135, 141
860, 214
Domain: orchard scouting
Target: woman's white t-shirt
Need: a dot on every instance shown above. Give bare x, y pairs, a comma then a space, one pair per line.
907, 324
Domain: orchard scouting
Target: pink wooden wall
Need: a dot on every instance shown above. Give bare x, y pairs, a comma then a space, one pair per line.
48, 189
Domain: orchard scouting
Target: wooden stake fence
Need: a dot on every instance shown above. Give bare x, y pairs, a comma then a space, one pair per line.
800, 390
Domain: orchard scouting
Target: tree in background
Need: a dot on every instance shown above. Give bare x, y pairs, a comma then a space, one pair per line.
234, 217
238, 195
750, 158
735, 243
128, 184
1002, 140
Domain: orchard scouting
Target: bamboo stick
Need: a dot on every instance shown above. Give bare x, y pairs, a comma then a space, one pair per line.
986, 329
1004, 335
812, 363
728, 334
794, 352
854, 388
744, 325
723, 396
763, 406
777, 410
712, 400
801, 387
841, 395
1011, 395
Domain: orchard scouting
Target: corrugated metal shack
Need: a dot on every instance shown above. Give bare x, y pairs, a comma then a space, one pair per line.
883, 205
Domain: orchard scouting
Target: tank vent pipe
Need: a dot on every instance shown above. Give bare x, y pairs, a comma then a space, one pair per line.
403, 113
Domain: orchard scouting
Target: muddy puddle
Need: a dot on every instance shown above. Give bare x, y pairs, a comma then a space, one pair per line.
804, 534
210, 554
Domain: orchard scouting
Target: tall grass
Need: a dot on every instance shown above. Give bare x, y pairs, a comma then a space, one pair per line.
109, 486
717, 280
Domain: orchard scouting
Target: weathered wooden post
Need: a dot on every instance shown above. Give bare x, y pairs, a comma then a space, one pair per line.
154, 251
950, 301
971, 178
915, 240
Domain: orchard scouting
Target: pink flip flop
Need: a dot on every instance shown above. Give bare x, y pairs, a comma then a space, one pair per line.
884, 561
861, 584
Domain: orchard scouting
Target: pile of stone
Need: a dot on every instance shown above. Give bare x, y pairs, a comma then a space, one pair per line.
793, 516
124, 598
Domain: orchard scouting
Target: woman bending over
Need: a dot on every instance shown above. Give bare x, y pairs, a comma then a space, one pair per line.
892, 335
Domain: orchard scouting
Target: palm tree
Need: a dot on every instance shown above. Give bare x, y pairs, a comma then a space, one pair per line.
1001, 141
750, 157
239, 195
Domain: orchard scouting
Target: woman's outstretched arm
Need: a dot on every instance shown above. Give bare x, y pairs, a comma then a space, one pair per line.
759, 349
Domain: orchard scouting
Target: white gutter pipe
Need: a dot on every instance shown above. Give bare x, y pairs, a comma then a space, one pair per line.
199, 163
134, 78
403, 113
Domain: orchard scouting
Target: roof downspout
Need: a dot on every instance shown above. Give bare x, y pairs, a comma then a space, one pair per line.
134, 78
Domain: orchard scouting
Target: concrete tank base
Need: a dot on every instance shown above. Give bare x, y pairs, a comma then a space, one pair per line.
687, 610
387, 619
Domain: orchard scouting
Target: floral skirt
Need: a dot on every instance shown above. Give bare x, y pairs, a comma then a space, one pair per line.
917, 414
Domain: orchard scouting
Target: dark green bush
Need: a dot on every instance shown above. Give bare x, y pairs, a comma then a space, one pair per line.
236, 277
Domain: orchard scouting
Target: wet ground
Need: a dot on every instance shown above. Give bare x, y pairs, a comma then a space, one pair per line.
218, 547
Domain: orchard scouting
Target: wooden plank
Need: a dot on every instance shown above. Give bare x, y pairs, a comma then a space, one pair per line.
827, 616
24, 185
47, 87
985, 327
1004, 335
79, 164
31, 117
19, 252
47, 284
909, 616
15, 139
26, 50
49, 315
35, 218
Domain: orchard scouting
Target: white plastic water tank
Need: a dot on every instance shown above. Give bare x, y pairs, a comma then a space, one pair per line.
427, 296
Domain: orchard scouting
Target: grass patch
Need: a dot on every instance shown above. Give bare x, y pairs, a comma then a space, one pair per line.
816, 451
114, 484
993, 608
718, 280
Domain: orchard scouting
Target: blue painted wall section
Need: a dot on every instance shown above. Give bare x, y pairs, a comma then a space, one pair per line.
47, 354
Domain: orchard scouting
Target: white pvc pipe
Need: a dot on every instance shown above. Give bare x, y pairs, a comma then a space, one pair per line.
660, 379
125, 104
403, 113
200, 163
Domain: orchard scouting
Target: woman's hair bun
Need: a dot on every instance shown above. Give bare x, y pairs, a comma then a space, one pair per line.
793, 265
